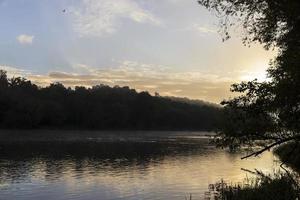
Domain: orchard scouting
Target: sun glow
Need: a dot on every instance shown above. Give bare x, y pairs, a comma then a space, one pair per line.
256, 71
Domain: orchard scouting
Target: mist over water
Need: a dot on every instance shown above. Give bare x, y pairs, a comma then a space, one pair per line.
117, 165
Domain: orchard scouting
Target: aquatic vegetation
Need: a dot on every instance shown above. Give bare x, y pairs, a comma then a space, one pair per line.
281, 186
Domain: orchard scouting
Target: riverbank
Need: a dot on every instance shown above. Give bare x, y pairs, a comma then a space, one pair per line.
280, 186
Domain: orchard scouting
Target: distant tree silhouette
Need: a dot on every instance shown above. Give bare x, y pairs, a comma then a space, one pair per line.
25, 105
3, 80
268, 110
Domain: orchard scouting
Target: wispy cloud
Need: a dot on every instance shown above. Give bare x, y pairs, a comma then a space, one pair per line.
14, 71
204, 29
144, 77
207, 86
101, 17
198, 28
25, 39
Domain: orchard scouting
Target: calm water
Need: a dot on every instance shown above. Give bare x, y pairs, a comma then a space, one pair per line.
116, 165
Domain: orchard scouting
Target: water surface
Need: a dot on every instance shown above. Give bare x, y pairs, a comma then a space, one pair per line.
48, 165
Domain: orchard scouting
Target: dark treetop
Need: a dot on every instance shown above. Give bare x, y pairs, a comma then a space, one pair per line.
25, 105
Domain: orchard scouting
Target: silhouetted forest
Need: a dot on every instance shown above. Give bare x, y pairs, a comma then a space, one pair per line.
26, 105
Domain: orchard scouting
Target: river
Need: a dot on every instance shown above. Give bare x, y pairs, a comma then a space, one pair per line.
91, 165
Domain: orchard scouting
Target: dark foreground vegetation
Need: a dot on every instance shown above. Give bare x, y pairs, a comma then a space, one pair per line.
289, 154
280, 187
266, 111
25, 105
284, 185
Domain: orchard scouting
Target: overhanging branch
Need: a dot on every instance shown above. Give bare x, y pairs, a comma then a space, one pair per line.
270, 146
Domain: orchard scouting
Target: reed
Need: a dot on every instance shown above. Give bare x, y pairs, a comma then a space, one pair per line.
278, 187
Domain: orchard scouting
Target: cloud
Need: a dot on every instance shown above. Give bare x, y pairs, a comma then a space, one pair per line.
204, 29
211, 87
14, 71
100, 17
25, 39
144, 77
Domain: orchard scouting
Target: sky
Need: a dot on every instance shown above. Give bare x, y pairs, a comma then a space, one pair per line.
172, 47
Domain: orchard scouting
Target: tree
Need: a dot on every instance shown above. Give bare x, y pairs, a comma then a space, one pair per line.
24, 105
269, 22
3, 80
268, 111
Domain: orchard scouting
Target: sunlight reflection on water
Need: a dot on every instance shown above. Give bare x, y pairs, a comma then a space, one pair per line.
162, 166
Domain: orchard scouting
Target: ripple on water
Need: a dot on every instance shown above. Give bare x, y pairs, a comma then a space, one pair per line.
165, 167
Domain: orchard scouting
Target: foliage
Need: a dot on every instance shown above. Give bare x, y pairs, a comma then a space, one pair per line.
25, 105
289, 154
280, 187
269, 110
265, 21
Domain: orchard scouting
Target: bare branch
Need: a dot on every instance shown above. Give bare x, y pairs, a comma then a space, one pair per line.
256, 153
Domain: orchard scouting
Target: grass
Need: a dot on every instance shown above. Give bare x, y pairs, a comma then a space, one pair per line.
279, 187
282, 186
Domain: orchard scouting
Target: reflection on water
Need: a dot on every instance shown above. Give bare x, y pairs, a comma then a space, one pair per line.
152, 166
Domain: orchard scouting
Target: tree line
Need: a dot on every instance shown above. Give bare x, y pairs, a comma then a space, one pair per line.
24, 105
